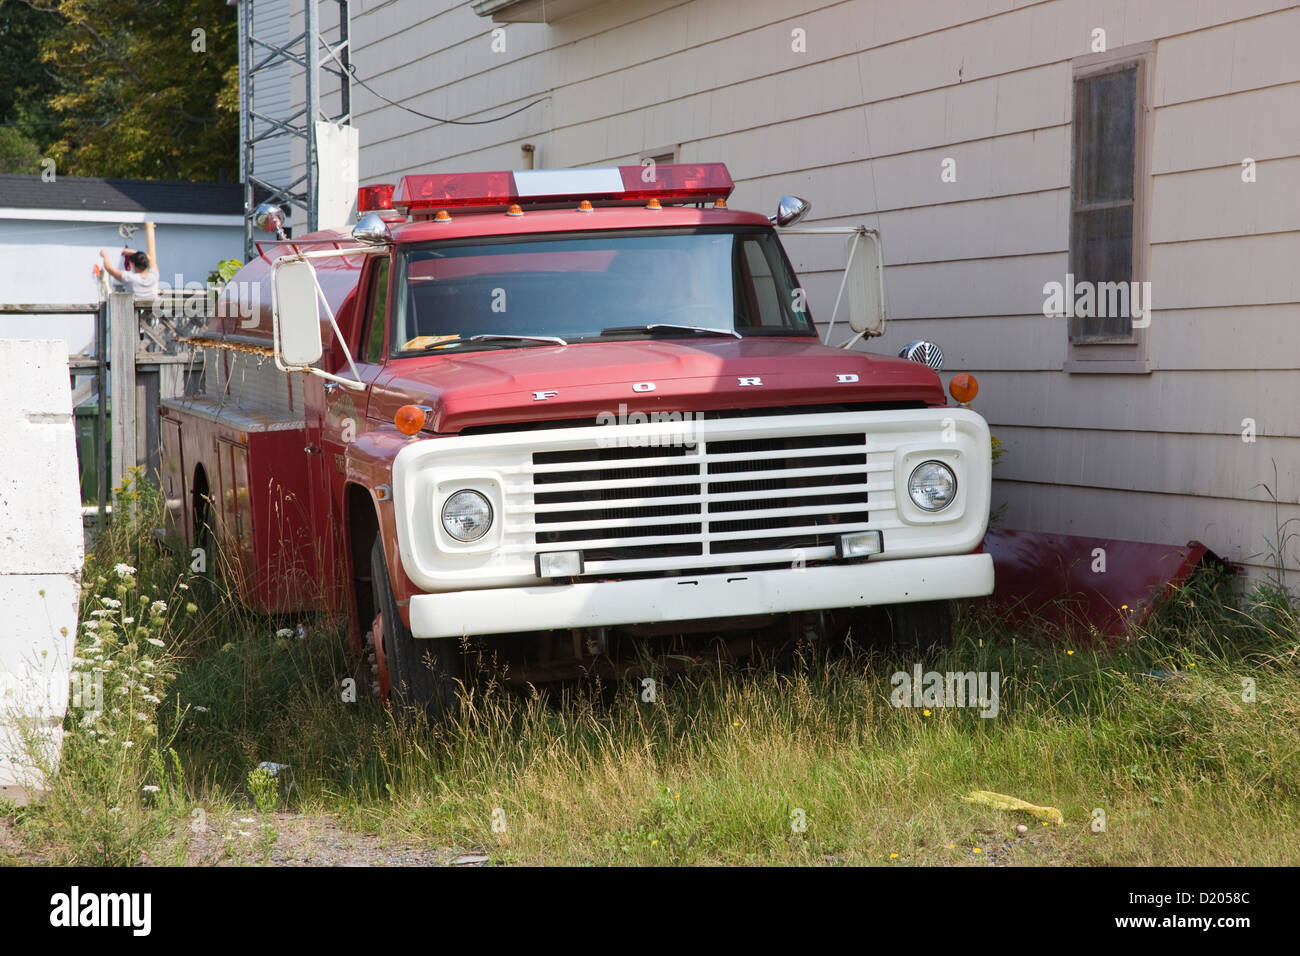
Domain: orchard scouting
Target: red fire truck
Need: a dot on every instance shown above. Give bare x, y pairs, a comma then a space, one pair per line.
559, 414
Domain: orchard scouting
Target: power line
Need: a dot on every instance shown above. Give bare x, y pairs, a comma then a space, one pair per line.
439, 119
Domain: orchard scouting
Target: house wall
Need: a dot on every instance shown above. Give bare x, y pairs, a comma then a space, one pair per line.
860, 124
50, 259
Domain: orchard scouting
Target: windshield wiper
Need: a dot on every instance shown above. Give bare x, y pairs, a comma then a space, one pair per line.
664, 325
553, 339
493, 340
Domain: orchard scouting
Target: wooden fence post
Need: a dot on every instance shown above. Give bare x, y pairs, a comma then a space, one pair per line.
123, 339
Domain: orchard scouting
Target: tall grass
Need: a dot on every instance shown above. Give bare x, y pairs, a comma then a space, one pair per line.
1155, 749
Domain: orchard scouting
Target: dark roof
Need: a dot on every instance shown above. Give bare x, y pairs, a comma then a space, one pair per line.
120, 195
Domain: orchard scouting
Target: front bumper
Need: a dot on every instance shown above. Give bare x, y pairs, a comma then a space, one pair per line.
696, 596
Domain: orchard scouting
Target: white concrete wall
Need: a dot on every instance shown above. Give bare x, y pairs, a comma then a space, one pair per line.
41, 553
49, 259
859, 124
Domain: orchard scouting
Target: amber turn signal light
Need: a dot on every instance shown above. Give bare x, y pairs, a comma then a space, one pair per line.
964, 387
409, 419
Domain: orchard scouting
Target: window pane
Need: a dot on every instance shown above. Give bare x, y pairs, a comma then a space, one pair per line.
378, 309
1105, 136
1102, 251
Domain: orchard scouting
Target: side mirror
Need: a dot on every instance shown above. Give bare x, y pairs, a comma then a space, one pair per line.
865, 287
790, 210
295, 310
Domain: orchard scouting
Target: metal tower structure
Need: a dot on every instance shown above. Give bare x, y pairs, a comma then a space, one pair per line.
269, 120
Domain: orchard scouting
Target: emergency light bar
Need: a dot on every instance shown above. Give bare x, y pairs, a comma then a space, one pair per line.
614, 185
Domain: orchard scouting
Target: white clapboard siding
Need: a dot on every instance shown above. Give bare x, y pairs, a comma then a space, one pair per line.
862, 123
272, 93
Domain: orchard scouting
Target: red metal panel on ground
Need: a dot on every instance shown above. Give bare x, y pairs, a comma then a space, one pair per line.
1057, 578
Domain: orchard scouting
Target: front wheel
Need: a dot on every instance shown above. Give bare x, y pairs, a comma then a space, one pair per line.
413, 674
923, 626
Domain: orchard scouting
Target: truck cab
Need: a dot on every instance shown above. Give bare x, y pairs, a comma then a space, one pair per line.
556, 414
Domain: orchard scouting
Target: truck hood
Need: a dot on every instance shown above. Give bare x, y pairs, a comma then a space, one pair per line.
582, 381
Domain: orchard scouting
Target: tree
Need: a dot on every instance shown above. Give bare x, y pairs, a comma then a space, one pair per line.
150, 88
18, 154
27, 124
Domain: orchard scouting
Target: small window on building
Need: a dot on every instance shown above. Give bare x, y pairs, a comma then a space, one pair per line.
378, 312
1107, 214
665, 155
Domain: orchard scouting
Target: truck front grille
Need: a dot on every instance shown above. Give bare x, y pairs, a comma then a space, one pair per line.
743, 501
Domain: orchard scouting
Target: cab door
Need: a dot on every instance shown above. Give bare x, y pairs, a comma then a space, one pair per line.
345, 408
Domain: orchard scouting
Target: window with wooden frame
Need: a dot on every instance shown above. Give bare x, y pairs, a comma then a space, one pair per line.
1110, 145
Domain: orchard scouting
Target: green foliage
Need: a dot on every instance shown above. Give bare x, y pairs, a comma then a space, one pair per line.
18, 154
224, 272
143, 96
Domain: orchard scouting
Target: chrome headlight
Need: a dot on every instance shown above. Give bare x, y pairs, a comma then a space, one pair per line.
466, 515
932, 486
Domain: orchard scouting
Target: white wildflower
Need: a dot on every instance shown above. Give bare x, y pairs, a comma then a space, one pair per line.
124, 570
111, 602
284, 632
158, 607
156, 643
150, 788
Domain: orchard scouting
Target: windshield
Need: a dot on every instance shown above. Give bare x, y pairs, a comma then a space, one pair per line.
527, 292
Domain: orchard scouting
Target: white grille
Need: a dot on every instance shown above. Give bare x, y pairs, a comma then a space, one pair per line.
725, 501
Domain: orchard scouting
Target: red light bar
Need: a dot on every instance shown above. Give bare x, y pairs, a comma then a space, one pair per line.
616, 185
374, 198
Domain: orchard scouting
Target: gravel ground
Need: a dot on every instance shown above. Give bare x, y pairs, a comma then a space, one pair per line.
298, 840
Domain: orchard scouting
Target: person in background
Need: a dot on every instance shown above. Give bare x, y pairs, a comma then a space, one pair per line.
140, 273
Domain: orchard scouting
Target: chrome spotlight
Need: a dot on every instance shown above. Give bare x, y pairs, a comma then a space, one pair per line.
927, 353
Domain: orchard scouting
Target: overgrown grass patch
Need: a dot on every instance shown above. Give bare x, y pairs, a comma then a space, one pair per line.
790, 761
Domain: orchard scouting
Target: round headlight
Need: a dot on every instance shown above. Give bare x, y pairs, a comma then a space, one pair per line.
466, 515
932, 486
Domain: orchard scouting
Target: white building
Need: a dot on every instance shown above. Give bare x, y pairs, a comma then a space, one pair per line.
999, 145
51, 234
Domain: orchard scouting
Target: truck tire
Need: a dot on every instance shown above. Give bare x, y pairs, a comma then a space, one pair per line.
422, 675
924, 626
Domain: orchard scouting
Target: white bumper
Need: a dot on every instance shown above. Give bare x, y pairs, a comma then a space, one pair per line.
691, 597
